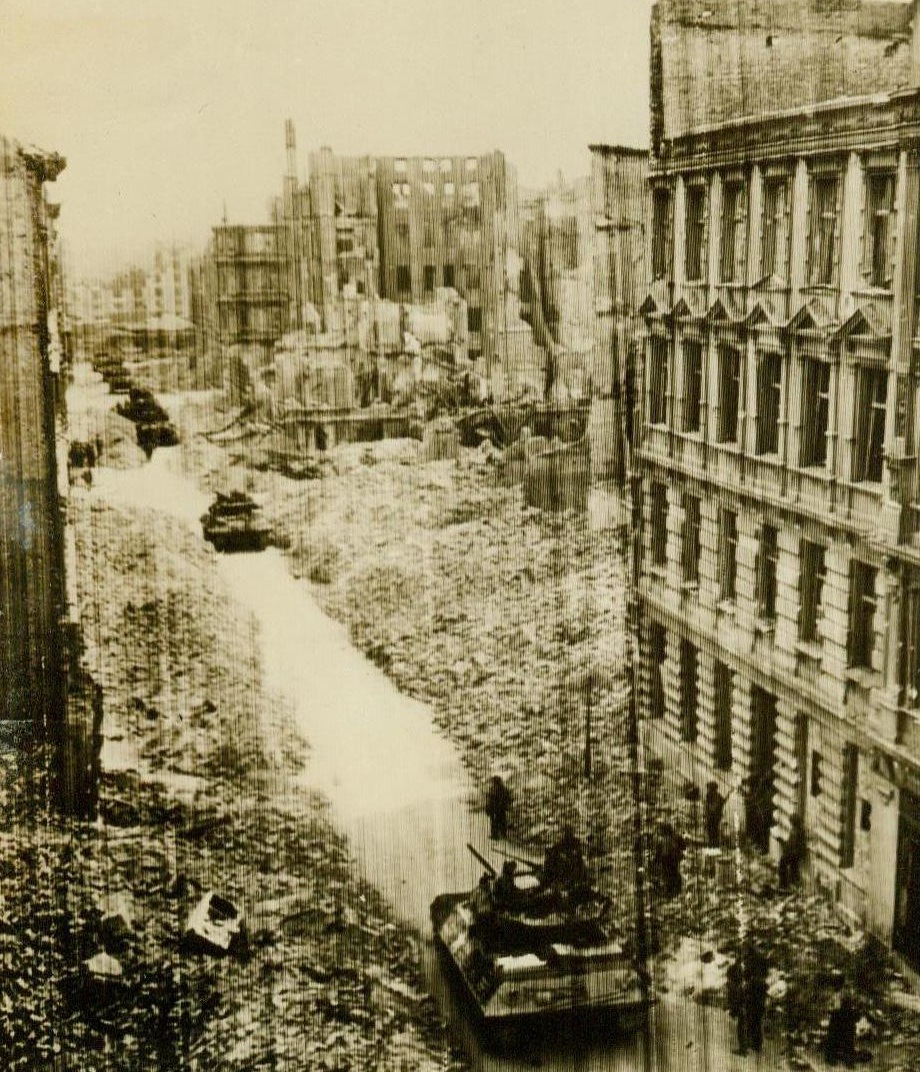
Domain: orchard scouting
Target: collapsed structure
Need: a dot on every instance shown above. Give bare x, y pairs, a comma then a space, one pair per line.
401, 230
780, 578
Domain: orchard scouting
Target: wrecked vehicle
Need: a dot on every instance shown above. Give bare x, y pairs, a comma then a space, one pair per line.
547, 955
215, 926
235, 522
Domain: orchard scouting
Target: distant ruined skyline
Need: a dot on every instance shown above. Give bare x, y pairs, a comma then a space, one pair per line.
166, 115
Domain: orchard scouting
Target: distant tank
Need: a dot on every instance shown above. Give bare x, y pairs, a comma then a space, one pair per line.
527, 952
235, 522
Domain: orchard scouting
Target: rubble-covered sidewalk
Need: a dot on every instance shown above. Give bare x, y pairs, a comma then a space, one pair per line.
198, 797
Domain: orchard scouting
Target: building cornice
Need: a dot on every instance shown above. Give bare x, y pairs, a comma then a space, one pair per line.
854, 124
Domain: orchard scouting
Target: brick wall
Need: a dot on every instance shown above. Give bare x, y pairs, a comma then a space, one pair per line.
728, 59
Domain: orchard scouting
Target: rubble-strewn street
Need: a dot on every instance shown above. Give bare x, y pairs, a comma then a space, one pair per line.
485, 608
198, 795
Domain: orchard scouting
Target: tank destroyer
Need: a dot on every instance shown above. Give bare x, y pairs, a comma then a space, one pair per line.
235, 522
528, 948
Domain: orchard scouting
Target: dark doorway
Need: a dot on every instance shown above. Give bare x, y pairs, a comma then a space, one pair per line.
906, 936
759, 803
801, 762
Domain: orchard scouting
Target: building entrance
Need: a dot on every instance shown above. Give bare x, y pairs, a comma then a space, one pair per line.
759, 803
906, 936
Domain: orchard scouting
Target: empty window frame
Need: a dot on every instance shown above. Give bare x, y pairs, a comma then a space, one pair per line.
848, 804
661, 232
658, 520
816, 382
910, 639
688, 691
448, 275
658, 651
861, 636
474, 318
658, 381
732, 242
403, 279
767, 556
690, 539
723, 684
816, 774
822, 245
429, 277
775, 234
878, 239
729, 394
728, 552
693, 386
695, 221
811, 586
871, 402
769, 395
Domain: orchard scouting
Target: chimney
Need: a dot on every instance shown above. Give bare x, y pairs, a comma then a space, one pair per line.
290, 145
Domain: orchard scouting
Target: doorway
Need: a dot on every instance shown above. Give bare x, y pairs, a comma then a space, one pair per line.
759, 803
906, 935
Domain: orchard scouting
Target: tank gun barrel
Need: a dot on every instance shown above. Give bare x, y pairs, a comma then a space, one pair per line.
485, 863
521, 860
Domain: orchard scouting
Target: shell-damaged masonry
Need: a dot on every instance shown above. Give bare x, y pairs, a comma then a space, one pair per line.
450, 624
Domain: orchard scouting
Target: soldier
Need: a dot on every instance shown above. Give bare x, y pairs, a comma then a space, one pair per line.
498, 802
790, 860
564, 863
713, 806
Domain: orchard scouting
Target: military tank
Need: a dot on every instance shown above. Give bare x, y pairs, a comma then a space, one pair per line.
235, 522
528, 953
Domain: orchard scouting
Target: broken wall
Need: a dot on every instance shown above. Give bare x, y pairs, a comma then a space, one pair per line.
32, 591
714, 61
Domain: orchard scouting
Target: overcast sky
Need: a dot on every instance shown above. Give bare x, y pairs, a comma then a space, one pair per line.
166, 110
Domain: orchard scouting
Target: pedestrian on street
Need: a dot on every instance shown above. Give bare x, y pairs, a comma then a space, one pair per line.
669, 852
734, 993
790, 859
498, 803
840, 1040
754, 997
713, 806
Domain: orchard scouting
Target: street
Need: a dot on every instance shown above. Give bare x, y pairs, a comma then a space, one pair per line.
398, 790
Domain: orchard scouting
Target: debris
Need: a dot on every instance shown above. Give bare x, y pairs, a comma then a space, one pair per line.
215, 926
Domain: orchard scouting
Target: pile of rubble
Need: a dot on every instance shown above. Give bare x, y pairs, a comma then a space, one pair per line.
210, 918
507, 620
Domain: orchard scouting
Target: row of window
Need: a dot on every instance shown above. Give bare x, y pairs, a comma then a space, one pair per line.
814, 404
403, 190
430, 166
823, 230
723, 689
862, 596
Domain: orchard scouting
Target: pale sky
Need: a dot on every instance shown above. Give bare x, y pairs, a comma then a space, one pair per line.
166, 110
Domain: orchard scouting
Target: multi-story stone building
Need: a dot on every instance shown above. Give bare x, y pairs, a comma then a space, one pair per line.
780, 580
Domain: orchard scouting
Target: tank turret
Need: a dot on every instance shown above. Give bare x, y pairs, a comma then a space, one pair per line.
236, 522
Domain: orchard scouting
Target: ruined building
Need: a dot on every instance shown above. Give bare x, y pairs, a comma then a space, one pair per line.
778, 443
38, 643
397, 228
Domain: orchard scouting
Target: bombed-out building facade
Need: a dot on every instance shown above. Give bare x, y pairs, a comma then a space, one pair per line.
777, 433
